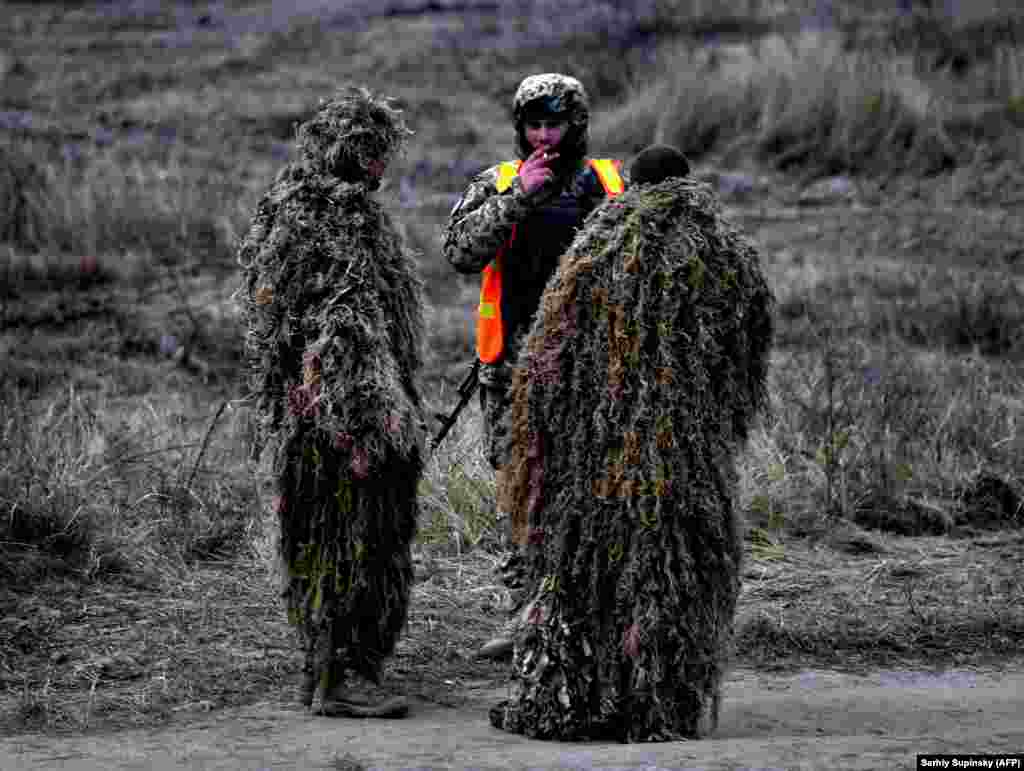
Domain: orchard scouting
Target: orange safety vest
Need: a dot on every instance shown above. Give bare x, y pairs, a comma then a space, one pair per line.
490, 332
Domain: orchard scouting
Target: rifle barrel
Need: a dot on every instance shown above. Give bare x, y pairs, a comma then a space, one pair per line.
466, 389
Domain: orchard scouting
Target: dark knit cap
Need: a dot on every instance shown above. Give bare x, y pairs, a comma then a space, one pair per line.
657, 163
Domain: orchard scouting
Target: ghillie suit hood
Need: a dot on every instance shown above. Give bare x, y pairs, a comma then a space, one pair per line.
639, 379
553, 95
347, 136
327, 281
334, 312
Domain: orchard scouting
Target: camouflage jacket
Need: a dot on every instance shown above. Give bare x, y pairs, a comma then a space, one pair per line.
481, 222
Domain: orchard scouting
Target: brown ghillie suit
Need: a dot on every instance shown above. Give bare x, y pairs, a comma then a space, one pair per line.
641, 374
335, 318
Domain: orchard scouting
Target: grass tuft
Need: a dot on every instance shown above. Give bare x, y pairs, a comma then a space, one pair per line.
108, 204
808, 101
88, 491
457, 492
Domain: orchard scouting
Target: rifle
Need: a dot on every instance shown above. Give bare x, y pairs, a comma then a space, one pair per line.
466, 390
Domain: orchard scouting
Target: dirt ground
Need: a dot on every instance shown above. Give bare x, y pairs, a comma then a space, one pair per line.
808, 719
202, 674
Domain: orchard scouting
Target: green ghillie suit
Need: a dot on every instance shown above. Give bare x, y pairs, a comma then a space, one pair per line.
335, 316
640, 376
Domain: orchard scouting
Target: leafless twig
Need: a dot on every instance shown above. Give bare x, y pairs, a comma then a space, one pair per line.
206, 442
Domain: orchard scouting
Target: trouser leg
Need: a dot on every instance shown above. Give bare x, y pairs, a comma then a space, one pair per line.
494, 407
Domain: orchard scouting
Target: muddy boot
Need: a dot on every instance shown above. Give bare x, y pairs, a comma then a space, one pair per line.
513, 576
360, 697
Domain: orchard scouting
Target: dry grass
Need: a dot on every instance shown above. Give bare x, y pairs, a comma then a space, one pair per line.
171, 209
154, 202
914, 600
457, 493
154, 169
121, 487
896, 384
107, 654
803, 101
118, 655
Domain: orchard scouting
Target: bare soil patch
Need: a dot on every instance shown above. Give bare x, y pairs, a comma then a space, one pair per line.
817, 718
119, 654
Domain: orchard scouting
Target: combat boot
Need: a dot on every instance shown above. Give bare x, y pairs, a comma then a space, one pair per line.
356, 695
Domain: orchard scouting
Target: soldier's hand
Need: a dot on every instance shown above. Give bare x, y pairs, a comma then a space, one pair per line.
535, 171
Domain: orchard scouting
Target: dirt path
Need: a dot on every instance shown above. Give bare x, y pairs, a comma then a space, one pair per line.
806, 720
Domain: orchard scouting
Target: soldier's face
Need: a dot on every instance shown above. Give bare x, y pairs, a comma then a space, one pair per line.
545, 132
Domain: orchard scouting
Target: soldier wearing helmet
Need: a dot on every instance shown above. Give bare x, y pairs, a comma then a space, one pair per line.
513, 223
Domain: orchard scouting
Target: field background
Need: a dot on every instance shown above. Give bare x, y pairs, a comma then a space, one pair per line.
871, 149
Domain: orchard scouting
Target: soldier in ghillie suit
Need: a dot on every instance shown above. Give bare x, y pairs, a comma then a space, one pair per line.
335, 317
642, 372
513, 223
656, 164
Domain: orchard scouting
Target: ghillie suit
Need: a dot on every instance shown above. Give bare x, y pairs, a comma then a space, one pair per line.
335, 317
640, 376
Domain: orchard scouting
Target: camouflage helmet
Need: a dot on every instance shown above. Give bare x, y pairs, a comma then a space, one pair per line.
552, 93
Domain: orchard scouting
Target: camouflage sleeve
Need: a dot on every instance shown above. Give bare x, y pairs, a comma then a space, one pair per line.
482, 221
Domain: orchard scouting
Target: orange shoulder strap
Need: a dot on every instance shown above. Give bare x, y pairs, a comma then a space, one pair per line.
608, 172
506, 173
